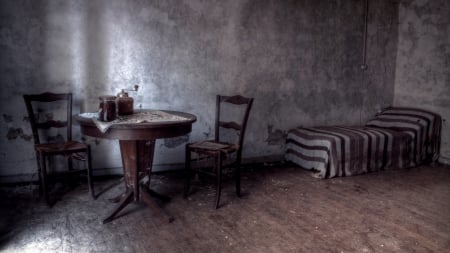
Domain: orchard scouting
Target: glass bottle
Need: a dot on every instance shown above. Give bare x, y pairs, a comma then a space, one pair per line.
107, 108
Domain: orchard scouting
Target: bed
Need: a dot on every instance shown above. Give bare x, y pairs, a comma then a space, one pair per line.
398, 137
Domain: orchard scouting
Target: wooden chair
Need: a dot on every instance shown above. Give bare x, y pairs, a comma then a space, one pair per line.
219, 150
68, 148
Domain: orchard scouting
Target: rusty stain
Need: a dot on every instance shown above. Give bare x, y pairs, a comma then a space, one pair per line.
7, 118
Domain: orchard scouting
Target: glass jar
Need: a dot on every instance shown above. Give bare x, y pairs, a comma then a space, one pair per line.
124, 104
107, 108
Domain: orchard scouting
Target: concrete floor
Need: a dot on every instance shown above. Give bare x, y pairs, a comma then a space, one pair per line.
284, 209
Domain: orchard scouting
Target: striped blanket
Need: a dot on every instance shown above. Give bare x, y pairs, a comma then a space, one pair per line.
396, 138
424, 127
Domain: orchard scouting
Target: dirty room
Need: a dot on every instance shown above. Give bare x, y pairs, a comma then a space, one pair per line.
225, 126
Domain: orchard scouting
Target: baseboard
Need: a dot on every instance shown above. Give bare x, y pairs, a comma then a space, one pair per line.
22, 178
119, 170
9, 179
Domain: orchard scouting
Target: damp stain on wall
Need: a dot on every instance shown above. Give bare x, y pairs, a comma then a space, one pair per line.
175, 142
7, 118
86, 140
55, 138
275, 137
14, 133
422, 71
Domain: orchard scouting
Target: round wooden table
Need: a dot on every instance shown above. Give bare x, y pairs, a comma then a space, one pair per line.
137, 144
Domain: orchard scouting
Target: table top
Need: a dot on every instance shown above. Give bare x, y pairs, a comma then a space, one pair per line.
142, 130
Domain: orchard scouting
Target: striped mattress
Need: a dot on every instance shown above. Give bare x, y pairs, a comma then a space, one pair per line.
396, 138
424, 127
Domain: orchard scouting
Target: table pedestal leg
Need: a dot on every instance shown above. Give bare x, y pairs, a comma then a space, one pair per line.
125, 201
137, 160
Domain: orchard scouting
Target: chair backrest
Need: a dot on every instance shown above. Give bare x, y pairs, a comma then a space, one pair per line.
246, 104
49, 122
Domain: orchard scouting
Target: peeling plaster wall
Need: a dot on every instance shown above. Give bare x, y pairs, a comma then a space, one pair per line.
423, 61
300, 60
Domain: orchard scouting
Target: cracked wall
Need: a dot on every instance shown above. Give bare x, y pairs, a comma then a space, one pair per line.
300, 60
423, 61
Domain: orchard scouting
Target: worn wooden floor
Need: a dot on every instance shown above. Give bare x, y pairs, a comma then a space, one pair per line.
285, 209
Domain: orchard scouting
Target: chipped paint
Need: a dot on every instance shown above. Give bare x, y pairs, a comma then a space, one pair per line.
26, 137
275, 137
7, 118
14, 133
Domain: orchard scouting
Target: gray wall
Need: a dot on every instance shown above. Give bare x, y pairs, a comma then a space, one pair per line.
300, 60
423, 61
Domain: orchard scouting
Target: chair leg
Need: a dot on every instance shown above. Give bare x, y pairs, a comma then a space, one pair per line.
237, 175
219, 179
38, 160
44, 179
187, 171
89, 172
70, 163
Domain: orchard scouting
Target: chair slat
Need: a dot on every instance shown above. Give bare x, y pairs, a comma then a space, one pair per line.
237, 99
231, 124
51, 123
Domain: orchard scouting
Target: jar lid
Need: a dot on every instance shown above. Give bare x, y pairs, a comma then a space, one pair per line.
122, 94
